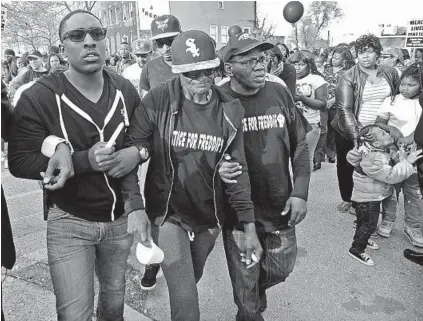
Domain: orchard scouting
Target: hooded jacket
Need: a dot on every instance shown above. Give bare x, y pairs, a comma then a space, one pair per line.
152, 129
43, 110
374, 177
348, 98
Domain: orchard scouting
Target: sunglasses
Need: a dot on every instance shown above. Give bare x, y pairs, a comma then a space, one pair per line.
142, 55
165, 41
386, 56
78, 35
197, 73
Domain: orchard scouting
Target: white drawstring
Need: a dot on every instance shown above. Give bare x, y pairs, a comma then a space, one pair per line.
191, 236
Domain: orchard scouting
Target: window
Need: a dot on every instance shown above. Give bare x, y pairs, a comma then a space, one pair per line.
213, 32
247, 29
111, 16
105, 18
118, 12
224, 34
124, 12
131, 11
220, 5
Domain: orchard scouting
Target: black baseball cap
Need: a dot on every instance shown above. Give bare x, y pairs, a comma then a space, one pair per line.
242, 43
35, 54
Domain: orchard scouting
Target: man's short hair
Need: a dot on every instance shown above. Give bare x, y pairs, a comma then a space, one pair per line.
69, 15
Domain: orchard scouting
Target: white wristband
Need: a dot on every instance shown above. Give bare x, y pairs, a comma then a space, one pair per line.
50, 144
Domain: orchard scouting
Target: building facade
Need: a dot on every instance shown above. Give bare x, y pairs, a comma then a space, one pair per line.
121, 20
215, 17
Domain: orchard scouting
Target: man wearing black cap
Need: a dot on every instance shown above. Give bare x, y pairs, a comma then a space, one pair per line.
186, 125
142, 50
36, 71
274, 135
164, 29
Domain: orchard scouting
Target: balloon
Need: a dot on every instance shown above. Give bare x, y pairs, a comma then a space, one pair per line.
234, 31
293, 11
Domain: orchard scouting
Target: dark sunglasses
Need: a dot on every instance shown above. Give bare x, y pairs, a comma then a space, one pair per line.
142, 55
165, 41
197, 73
78, 35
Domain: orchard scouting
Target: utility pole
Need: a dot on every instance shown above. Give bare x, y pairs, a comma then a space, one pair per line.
328, 38
138, 17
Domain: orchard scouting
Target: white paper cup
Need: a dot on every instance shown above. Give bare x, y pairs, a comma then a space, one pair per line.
149, 255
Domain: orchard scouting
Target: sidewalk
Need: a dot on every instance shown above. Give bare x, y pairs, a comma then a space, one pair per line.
27, 296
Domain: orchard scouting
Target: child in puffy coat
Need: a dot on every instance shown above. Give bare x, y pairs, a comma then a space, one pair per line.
374, 177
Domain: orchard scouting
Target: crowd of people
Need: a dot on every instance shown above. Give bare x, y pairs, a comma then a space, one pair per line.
228, 139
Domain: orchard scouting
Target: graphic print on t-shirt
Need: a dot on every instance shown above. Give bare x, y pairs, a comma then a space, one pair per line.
197, 141
263, 122
306, 90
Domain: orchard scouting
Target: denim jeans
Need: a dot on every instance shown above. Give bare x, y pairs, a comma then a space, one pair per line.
367, 218
183, 266
319, 153
76, 248
312, 138
250, 285
413, 203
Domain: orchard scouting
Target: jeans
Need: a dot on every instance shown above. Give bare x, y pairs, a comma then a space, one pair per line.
343, 168
183, 267
413, 203
76, 248
312, 138
250, 285
367, 219
319, 154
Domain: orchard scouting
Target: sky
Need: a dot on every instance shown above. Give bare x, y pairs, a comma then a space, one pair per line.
360, 16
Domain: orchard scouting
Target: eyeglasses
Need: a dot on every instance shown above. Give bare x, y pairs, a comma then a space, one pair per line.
197, 73
78, 35
141, 55
165, 41
386, 56
252, 63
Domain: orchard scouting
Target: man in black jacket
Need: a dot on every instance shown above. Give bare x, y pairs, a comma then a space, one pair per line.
274, 134
90, 223
186, 125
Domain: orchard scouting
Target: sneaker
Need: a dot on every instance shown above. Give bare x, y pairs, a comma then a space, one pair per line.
385, 228
148, 281
362, 257
372, 245
414, 235
374, 235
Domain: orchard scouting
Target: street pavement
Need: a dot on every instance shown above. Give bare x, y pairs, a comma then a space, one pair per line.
326, 283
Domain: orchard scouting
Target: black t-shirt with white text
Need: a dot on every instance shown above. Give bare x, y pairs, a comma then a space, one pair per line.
267, 155
197, 143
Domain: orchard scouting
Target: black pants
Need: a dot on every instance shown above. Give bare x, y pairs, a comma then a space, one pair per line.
343, 168
420, 173
367, 218
330, 140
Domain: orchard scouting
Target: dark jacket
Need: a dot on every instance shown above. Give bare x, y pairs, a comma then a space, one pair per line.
152, 128
348, 98
43, 110
8, 253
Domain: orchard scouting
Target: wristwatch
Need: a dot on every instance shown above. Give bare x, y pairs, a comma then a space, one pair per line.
144, 154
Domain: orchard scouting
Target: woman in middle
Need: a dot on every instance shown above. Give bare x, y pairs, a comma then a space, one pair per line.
358, 96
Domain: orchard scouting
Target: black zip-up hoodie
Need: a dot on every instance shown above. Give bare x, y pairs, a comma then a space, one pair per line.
43, 110
152, 128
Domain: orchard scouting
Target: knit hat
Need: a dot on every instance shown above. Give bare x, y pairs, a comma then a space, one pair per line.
242, 43
142, 46
193, 50
9, 52
165, 26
